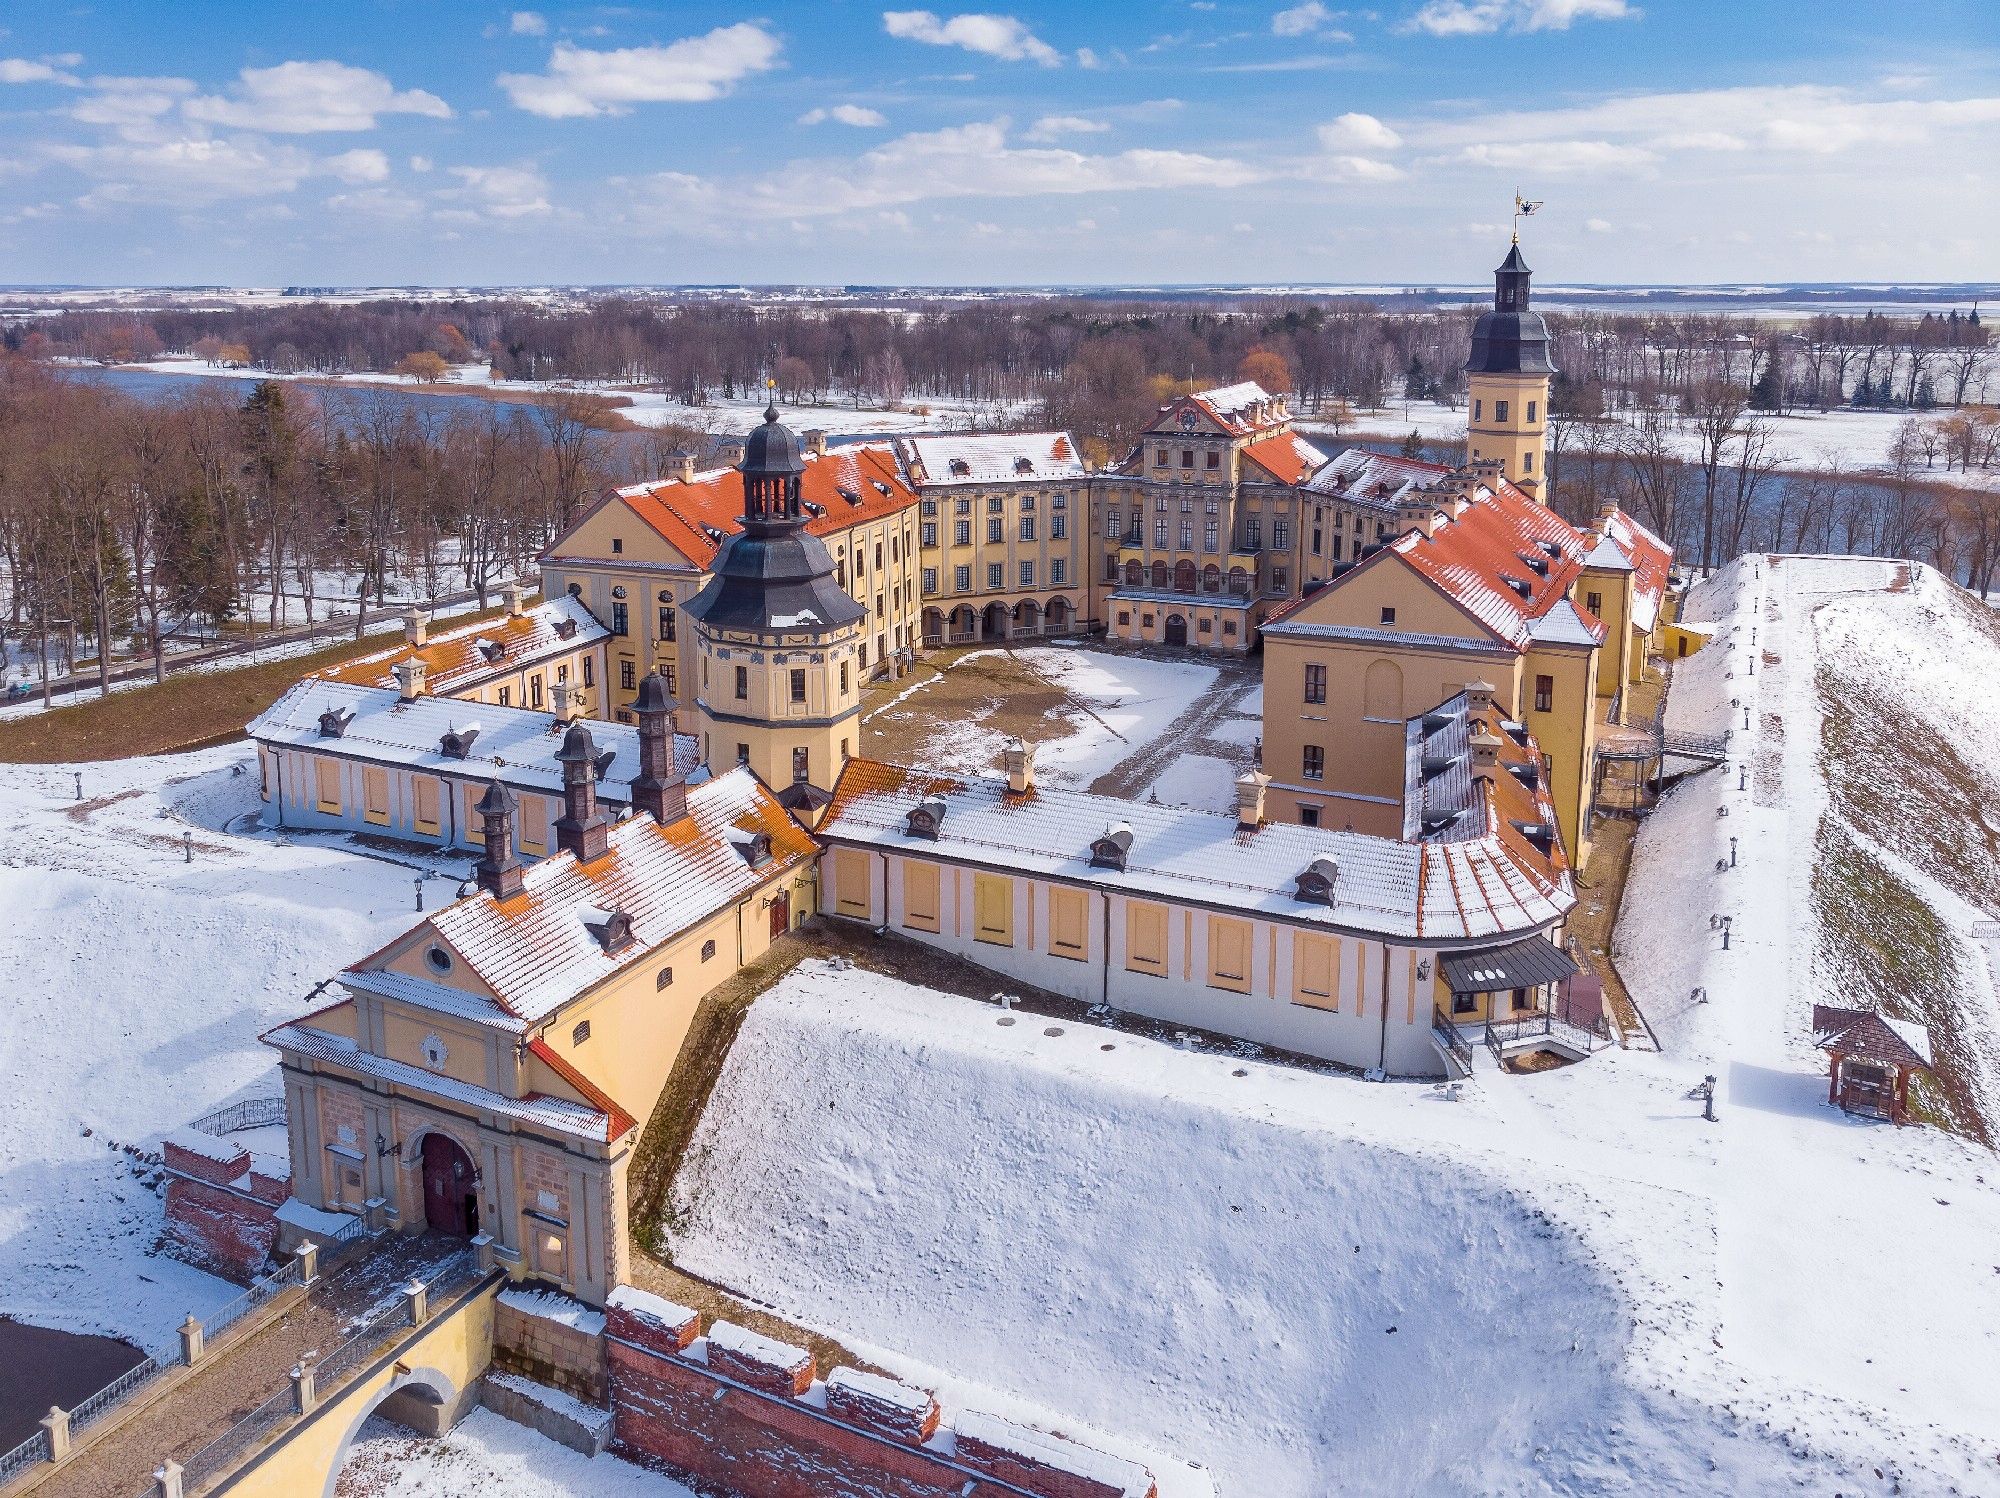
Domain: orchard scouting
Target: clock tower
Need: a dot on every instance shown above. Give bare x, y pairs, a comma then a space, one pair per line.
1507, 380
777, 638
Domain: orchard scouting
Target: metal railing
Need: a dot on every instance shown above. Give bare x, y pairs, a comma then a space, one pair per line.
1455, 1043
1542, 1024
236, 1445
23, 1456
143, 1372
258, 1292
251, 1113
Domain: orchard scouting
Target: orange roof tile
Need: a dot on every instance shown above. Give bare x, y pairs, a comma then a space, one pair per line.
1285, 457
458, 657
618, 1119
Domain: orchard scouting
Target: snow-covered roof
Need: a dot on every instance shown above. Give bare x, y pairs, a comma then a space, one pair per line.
1871, 1035
1483, 884
535, 950
1010, 458
440, 998
1238, 409
1374, 480
1650, 559
515, 745
1565, 624
458, 660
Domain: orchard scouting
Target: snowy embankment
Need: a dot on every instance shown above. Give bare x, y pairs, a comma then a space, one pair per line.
487, 1454
1856, 1259
136, 986
1309, 1283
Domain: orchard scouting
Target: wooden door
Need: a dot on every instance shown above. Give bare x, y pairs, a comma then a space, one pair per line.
781, 914
451, 1205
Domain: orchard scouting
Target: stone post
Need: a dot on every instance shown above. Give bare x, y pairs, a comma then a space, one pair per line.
167, 1480
417, 1296
55, 1432
483, 1247
371, 1213
307, 1254
191, 1340
305, 1398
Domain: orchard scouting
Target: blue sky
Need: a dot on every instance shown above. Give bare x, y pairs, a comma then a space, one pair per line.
428, 141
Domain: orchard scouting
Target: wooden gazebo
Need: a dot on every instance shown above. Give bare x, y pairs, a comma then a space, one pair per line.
1873, 1058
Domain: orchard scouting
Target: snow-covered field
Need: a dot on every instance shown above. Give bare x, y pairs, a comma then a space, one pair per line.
1117, 705
135, 987
1314, 1284
487, 1455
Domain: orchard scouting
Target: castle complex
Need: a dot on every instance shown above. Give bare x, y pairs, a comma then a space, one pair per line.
1440, 654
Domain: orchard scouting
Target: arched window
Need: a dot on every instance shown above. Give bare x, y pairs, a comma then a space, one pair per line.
1211, 579
1184, 576
1159, 574
1135, 574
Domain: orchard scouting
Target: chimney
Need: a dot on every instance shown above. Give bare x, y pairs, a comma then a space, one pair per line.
513, 594
1416, 512
731, 454
680, 467
582, 829
816, 441
1250, 788
410, 679
1019, 758
567, 698
1485, 754
416, 626
1479, 699
1606, 513
498, 871
658, 790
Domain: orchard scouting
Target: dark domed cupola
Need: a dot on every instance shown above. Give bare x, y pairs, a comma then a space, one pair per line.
773, 463
1511, 339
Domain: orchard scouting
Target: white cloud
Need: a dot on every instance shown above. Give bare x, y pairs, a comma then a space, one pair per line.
45, 70
845, 114
1054, 126
527, 23
359, 166
1358, 132
131, 106
1562, 158
1003, 37
581, 82
1087, 59
964, 161
1351, 169
420, 163
502, 191
1480, 17
300, 98
1598, 225
1310, 19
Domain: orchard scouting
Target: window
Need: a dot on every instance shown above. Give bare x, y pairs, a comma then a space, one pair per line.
667, 622
1388, 616
1027, 574
1228, 954
1058, 527
627, 674
673, 688
1160, 457
708, 950
589, 672
1316, 684
920, 895
438, 959
742, 683
961, 507
1531, 411
579, 1032
1522, 999
1187, 457
1595, 603
1124, 616
1214, 457
1058, 571
801, 764
993, 530
621, 622
1187, 505
930, 507
743, 754
1069, 923
930, 533
993, 909
1477, 406
843, 678
1211, 536
1114, 524
1313, 969
961, 579
1280, 579
1027, 527
1545, 694
1315, 762
1281, 534
1308, 815
878, 556
994, 504
961, 533
1499, 410
1146, 938
930, 580
1160, 531
1465, 1003
1187, 535
1028, 503
1253, 533
506, 696
535, 691
617, 545
798, 688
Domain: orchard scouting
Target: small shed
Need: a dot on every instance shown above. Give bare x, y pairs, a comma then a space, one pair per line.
1873, 1058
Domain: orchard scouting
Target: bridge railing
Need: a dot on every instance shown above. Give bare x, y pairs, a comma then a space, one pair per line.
23, 1456
251, 1113
262, 1425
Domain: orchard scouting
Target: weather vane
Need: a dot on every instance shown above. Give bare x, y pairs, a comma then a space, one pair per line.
1522, 208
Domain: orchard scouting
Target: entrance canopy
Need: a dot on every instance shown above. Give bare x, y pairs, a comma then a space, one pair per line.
1521, 964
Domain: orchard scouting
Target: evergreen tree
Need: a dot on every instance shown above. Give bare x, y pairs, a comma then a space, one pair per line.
1413, 445
1768, 394
1416, 382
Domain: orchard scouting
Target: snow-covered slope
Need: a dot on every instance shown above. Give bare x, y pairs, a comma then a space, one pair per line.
1311, 1284
135, 985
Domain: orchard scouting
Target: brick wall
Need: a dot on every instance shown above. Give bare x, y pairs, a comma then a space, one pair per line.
219, 1230
748, 1415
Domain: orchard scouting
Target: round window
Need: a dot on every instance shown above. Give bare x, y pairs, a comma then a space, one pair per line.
439, 959
618, 592
666, 596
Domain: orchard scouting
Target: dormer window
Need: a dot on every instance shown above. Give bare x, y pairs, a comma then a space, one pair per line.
755, 848
565, 629
601, 766
437, 959
457, 743
333, 722
1113, 848
1316, 884
926, 817
960, 469
611, 928
1024, 465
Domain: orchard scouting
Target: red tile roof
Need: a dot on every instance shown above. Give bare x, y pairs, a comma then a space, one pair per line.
617, 1119
1286, 457
843, 487
1651, 560
455, 659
